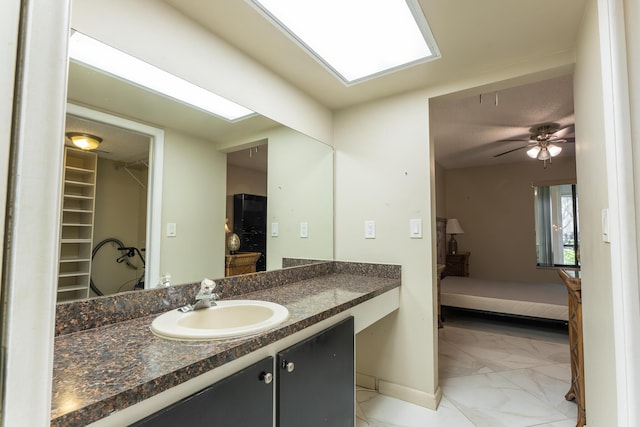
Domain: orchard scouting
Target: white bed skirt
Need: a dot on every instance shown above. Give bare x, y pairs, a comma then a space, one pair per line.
543, 300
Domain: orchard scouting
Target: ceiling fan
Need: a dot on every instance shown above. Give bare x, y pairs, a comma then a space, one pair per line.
543, 142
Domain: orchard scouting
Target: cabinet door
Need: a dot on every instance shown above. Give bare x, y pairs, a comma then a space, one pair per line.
243, 399
318, 389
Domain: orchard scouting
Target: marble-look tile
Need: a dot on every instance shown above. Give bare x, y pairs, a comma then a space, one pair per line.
385, 411
547, 383
491, 400
454, 362
501, 352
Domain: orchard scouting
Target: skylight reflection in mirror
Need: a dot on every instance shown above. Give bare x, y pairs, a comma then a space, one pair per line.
356, 39
100, 56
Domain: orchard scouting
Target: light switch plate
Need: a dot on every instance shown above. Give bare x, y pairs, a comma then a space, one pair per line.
171, 229
304, 230
369, 229
415, 228
274, 229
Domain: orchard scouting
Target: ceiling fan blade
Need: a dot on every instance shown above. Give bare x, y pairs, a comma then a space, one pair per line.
562, 140
564, 132
529, 140
511, 151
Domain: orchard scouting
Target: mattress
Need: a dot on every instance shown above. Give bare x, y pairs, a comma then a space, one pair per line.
543, 300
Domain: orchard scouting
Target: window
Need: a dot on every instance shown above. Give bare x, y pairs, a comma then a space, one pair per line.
556, 216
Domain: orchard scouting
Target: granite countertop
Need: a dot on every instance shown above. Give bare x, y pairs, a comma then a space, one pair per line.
103, 369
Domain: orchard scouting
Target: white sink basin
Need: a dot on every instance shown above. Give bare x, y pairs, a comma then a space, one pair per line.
227, 319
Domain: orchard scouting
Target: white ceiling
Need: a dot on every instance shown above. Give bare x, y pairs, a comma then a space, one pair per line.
474, 38
469, 131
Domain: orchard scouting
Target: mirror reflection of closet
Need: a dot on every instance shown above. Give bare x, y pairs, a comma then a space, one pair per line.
117, 245
246, 177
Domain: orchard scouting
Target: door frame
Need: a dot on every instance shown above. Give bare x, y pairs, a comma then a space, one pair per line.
154, 185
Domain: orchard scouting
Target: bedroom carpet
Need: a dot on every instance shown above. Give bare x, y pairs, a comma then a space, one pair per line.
492, 374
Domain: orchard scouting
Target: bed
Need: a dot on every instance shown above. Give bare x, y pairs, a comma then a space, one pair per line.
535, 300
540, 300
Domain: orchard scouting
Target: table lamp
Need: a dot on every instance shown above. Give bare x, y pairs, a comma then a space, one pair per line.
453, 228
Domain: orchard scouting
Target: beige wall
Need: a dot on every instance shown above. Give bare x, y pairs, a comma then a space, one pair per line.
121, 213
383, 174
248, 181
194, 182
597, 299
494, 205
300, 188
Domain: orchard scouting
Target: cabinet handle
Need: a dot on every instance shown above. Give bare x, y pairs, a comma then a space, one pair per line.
289, 366
266, 377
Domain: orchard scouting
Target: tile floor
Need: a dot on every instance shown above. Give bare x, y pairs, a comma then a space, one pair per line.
492, 374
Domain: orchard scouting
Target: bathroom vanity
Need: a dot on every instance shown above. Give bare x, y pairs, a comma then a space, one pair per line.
109, 369
316, 370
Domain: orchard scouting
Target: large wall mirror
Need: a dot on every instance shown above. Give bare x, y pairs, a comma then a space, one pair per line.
166, 175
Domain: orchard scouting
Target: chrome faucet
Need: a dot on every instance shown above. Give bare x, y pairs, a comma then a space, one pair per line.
206, 297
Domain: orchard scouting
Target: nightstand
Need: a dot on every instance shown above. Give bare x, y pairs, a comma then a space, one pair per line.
457, 264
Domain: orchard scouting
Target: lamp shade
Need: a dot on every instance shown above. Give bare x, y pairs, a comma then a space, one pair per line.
453, 227
533, 152
554, 150
544, 154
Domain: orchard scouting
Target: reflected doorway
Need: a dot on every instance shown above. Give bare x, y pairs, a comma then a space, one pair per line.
110, 206
246, 209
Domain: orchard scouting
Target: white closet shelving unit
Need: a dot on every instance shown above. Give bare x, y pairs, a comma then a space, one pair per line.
76, 238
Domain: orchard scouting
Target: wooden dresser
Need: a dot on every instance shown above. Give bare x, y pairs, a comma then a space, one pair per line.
240, 263
576, 391
457, 264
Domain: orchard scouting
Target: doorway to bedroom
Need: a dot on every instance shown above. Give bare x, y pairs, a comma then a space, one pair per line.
485, 142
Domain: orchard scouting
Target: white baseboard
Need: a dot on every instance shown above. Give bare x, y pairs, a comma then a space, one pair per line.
408, 394
411, 395
366, 381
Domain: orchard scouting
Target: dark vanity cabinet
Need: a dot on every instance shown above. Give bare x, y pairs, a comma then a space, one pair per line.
242, 399
314, 387
315, 384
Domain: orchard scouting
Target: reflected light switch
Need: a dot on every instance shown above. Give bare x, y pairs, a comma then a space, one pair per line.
415, 228
369, 229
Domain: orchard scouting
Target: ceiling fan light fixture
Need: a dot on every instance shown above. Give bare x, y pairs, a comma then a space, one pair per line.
533, 152
544, 154
84, 141
554, 150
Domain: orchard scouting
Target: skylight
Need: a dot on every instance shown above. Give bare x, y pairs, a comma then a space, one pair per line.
98, 55
356, 39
